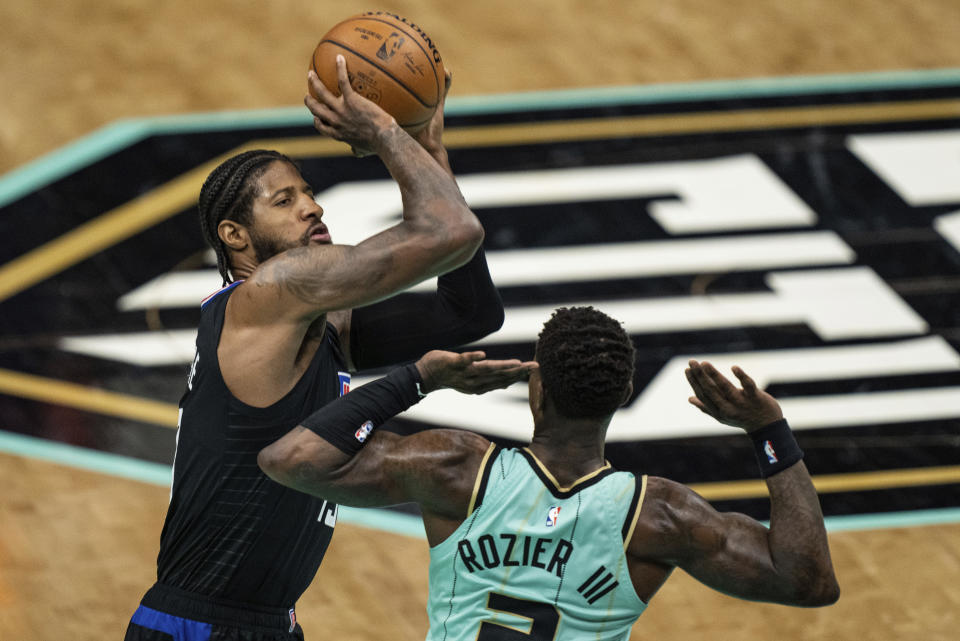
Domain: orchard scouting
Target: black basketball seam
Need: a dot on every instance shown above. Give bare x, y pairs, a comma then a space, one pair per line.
313, 65
393, 77
426, 53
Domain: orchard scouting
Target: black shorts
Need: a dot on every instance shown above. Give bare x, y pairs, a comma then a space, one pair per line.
169, 614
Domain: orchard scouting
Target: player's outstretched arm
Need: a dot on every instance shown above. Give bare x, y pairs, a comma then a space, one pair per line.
789, 563
333, 454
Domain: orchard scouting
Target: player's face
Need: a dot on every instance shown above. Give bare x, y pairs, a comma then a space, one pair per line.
285, 215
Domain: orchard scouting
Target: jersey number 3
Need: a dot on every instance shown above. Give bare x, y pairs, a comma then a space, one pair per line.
543, 617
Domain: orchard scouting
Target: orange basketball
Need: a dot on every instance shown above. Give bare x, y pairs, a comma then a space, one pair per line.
390, 61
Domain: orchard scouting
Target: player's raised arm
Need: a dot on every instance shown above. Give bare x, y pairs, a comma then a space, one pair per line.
438, 231
464, 308
789, 563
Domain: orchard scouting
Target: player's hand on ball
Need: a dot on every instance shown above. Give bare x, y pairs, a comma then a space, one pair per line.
431, 136
749, 408
470, 372
348, 117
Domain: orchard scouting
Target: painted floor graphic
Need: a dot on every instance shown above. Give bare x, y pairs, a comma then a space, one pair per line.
811, 236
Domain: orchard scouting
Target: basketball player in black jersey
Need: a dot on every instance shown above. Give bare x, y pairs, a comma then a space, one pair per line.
298, 313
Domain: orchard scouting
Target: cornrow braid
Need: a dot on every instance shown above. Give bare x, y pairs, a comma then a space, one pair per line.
227, 194
586, 362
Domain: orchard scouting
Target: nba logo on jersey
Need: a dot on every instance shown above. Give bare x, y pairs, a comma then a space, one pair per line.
553, 515
364, 431
344, 382
293, 620
768, 450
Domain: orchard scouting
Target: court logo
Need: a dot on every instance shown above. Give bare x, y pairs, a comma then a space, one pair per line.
788, 251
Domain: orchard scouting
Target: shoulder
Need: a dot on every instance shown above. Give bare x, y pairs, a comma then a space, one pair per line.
672, 518
446, 447
437, 468
668, 504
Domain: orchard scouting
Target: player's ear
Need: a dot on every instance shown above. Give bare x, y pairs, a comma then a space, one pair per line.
233, 234
627, 394
536, 392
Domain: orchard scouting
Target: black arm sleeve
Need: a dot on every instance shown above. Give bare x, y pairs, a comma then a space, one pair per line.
466, 307
348, 421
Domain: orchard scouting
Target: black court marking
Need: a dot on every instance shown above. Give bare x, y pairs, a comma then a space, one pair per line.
888, 236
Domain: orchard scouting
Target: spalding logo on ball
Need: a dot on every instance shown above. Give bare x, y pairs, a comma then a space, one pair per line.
390, 61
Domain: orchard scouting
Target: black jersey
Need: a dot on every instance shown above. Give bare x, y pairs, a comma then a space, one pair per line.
232, 533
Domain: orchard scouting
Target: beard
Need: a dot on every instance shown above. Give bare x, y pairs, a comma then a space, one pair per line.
266, 247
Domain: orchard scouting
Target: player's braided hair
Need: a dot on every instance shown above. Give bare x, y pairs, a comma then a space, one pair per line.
586, 362
227, 194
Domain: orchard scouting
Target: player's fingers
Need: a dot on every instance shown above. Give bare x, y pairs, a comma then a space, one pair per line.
692, 378
506, 378
447, 81
317, 87
324, 128
469, 361
519, 371
701, 381
319, 110
719, 383
749, 386
523, 371
497, 371
342, 78
491, 365
696, 402
705, 397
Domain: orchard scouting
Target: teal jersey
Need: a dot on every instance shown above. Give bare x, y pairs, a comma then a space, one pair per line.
534, 560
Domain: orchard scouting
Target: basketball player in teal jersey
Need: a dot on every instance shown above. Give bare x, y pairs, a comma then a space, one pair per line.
550, 542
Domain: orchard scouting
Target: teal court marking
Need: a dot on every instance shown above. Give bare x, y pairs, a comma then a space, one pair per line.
123, 133
158, 474
377, 519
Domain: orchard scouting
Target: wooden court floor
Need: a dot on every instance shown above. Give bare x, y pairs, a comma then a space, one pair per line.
77, 548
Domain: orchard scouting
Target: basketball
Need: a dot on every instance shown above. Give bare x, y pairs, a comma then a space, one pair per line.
390, 61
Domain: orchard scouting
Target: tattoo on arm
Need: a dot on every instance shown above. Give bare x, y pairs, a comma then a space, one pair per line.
317, 275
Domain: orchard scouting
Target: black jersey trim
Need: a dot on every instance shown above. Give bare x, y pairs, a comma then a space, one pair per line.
555, 488
483, 476
633, 514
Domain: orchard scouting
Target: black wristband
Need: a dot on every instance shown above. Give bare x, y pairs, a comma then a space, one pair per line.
348, 421
775, 447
